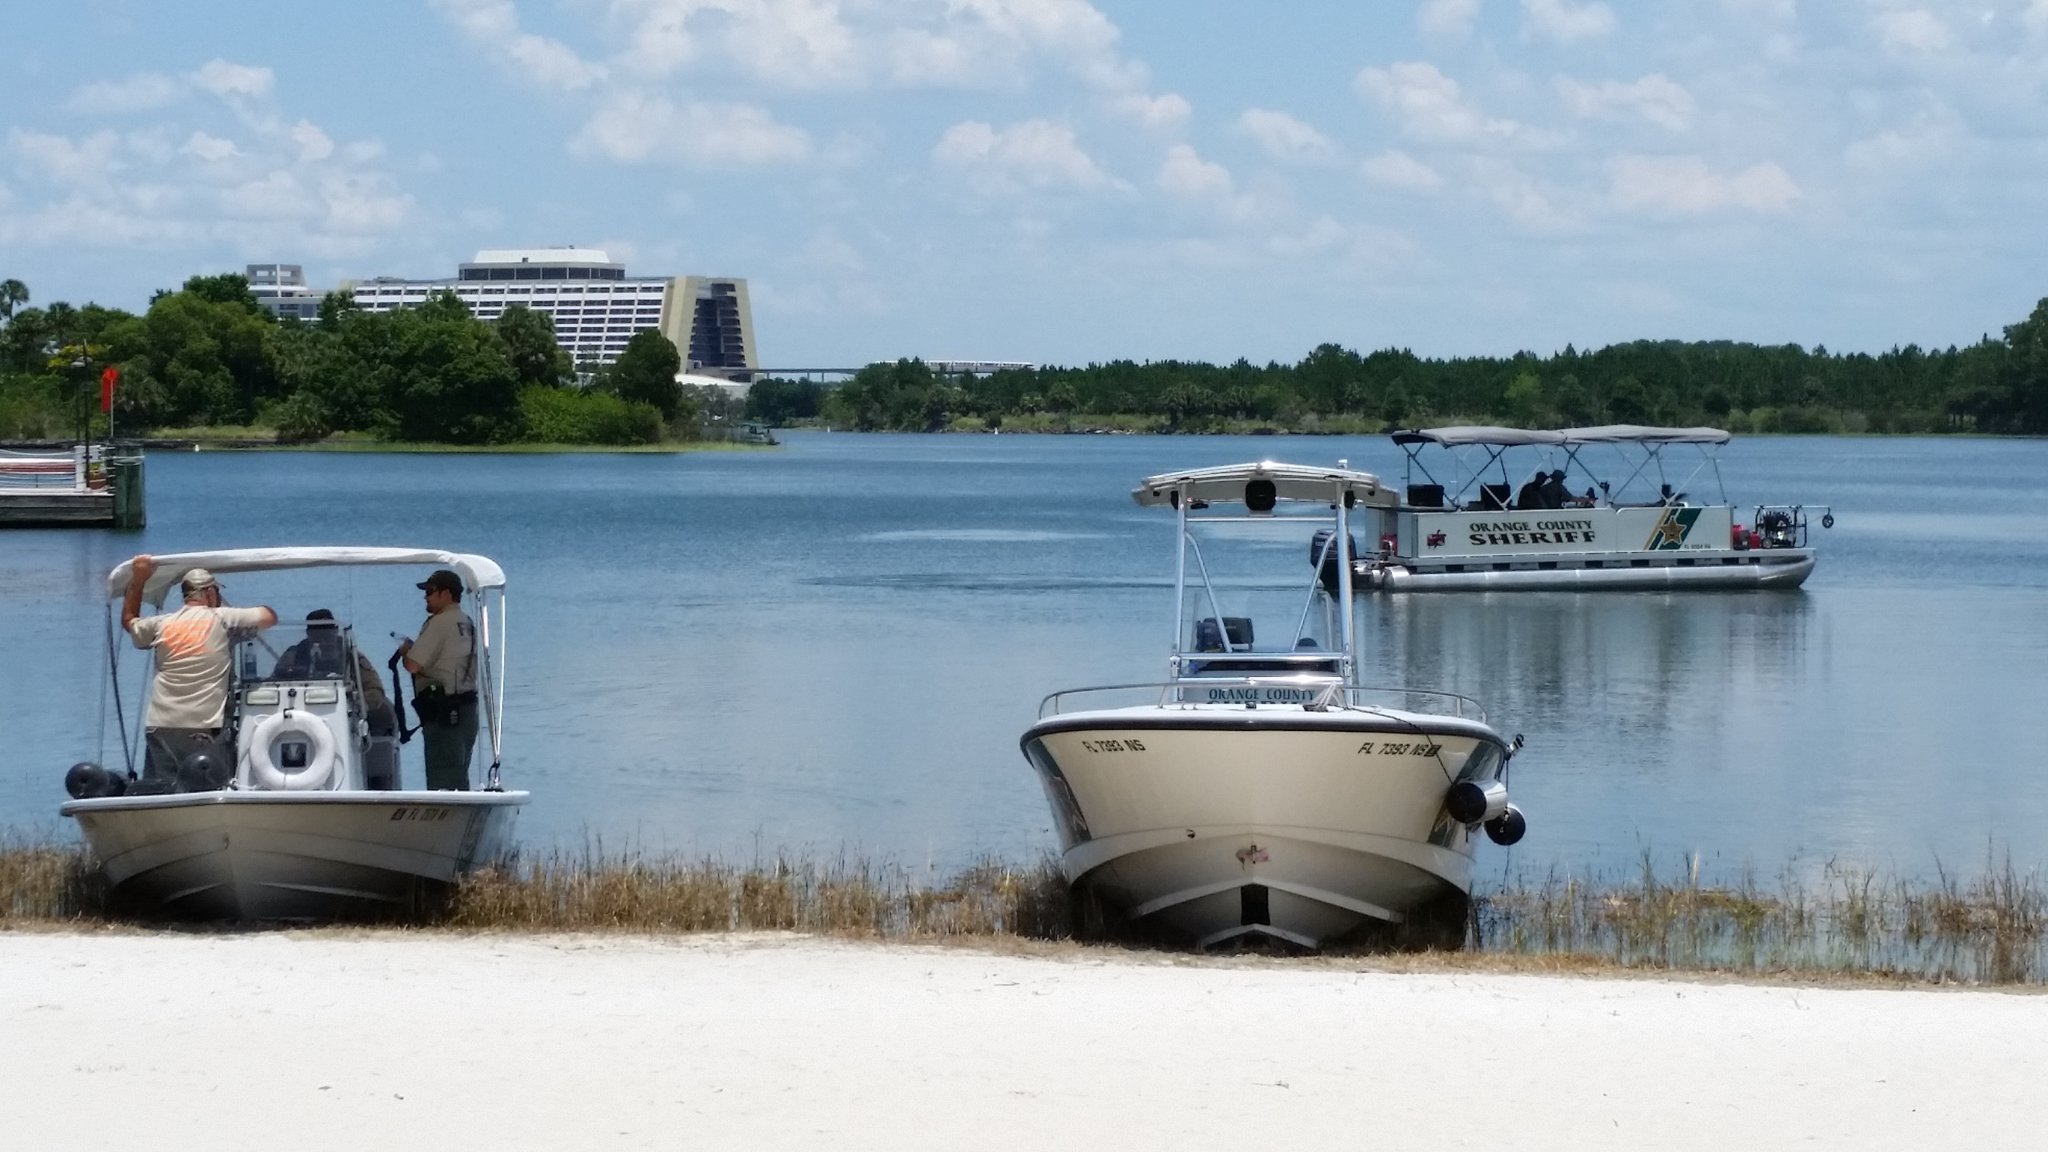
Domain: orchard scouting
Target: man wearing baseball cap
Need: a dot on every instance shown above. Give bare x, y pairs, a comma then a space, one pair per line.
443, 666
189, 695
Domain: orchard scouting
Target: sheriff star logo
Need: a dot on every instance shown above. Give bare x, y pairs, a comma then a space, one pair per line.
1436, 539
1672, 528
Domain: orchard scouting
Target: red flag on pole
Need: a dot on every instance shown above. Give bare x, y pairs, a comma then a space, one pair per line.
108, 379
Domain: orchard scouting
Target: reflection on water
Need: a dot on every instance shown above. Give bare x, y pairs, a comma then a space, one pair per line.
837, 643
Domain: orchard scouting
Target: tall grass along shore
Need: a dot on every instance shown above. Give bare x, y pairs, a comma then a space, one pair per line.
1987, 928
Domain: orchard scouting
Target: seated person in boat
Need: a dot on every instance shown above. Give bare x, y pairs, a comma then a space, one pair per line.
1553, 491
189, 695
1530, 495
327, 652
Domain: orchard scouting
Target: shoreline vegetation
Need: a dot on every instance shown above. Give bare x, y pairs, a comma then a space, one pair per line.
208, 356
1842, 923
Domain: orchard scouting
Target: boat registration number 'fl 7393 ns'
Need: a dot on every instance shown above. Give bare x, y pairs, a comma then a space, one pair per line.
1113, 745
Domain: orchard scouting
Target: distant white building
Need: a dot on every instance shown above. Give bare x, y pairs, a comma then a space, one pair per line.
281, 289
596, 307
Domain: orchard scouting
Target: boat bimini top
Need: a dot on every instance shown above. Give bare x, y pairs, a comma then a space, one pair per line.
1639, 447
478, 572
1259, 486
1524, 437
482, 579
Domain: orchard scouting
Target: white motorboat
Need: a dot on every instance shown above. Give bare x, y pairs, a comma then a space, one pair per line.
1261, 791
285, 819
1473, 529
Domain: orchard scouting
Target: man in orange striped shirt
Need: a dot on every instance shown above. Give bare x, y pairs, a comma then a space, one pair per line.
188, 698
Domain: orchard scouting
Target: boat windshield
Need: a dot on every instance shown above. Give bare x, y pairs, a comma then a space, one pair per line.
297, 652
1252, 599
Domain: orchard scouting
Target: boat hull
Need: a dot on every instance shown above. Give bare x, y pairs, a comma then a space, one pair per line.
1209, 824
1780, 568
292, 856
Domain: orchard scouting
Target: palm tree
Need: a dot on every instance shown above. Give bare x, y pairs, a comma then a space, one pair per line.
13, 294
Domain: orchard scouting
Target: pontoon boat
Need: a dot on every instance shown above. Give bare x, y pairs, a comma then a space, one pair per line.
1261, 791
1492, 524
285, 819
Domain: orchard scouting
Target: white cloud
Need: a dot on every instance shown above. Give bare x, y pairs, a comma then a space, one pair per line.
1925, 141
1401, 171
632, 128
1527, 202
229, 80
1284, 137
494, 24
143, 92
314, 145
973, 44
90, 161
1912, 30
271, 183
1687, 186
1032, 154
275, 195
1566, 22
1164, 112
1429, 106
1447, 19
1185, 175
211, 149
1655, 98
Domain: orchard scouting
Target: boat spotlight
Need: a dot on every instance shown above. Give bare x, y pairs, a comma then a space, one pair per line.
1260, 495
1474, 801
1508, 827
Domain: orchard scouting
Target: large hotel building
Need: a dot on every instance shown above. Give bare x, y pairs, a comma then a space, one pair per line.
596, 307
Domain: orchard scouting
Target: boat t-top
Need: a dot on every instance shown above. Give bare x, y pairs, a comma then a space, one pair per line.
1261, 791
1497, 509
292, 814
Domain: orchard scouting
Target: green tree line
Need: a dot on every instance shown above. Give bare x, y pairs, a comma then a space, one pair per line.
1996, 386
209, 355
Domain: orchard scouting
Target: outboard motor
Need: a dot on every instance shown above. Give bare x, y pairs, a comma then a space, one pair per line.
1320, 552
88, 781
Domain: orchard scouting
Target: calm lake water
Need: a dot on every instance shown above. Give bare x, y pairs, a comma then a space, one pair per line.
833, 646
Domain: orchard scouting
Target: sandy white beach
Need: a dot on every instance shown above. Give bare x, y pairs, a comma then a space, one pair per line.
327, 1041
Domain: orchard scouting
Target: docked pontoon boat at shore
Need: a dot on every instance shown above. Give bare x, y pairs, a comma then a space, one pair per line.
1260, 791
1568, 527
280, 820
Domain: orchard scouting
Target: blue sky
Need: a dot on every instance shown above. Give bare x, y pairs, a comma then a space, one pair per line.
1063, 181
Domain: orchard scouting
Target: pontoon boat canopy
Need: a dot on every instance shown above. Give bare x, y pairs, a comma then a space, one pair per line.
1638, 434
1522, 437
477, 572
1225, 484
1497, 437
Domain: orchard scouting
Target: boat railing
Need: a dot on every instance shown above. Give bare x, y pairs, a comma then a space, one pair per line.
1315, 693
76, 469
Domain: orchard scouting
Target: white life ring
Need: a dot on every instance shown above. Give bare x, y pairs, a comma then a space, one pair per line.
319, 762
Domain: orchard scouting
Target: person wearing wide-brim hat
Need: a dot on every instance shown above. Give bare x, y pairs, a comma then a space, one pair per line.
189, 695
443, 666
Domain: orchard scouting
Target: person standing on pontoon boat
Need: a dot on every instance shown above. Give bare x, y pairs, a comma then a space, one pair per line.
443, 666
189, 695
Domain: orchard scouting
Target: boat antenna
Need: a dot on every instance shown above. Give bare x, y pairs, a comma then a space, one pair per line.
120, 713
493, 709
